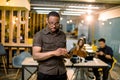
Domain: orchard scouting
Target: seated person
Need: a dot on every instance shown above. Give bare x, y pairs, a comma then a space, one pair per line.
79, 50
105, 53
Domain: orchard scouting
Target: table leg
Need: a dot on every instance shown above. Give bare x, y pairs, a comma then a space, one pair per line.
23, 72
18, 51
10, 57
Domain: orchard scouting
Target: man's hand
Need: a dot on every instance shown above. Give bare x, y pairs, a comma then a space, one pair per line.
101, 53
60, 52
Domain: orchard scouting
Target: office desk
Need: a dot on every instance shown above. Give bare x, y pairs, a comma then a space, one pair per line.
29, 62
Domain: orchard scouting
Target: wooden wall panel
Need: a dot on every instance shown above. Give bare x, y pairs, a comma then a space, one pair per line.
18, 26
26, 26
3, 27
36, 22
11, 27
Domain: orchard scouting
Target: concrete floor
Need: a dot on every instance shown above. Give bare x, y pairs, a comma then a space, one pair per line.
11, 73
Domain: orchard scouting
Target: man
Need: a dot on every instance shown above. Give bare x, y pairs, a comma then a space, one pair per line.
49, 50
105, 53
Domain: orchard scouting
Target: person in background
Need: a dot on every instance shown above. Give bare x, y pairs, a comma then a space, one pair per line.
49, 49
79, 50
105, 53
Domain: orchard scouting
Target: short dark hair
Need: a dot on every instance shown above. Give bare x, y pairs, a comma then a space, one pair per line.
101, 40
53, 13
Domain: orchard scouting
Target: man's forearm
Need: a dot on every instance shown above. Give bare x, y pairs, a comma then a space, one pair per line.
43, 56
108, 56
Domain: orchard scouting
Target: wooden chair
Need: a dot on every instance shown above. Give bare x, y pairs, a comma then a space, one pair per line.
3, 56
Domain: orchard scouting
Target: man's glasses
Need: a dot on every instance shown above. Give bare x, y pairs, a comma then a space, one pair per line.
54, 24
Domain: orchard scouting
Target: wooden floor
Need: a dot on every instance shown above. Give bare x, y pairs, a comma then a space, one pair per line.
11, 73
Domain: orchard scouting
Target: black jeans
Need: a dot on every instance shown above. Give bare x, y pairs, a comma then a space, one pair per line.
42, 76
105, 73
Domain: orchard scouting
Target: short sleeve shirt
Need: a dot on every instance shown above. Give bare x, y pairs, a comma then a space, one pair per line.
107, 50
49, 42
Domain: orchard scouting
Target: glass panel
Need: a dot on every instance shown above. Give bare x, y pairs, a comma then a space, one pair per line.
22, 15
7, 15
15, 20
22, 33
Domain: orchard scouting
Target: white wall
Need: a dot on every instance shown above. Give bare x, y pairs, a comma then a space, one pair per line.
110, 13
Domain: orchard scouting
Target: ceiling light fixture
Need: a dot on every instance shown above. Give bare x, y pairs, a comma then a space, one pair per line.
89, 18
45, 8
70, 14
89, 11
84, 7
74, 12
70, 21
43, 11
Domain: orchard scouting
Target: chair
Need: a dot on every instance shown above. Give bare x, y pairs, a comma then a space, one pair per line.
3, 55
113, 64
17, 61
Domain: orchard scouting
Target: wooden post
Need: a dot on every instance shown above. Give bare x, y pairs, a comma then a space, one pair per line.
10, 56
40, 21
30, 24
11, 27
33, 23
3, 27
37, 21
44, 20
18, 30
26, 26
18, 26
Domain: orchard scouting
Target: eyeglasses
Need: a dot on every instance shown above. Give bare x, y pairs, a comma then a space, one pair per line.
54, 24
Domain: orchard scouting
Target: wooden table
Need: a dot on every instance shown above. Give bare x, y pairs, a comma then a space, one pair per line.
29, 62
17, 46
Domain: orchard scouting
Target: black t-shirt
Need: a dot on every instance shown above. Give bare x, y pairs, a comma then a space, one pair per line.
108, 51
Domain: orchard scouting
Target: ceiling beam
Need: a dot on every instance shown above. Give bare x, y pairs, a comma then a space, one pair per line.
82, 1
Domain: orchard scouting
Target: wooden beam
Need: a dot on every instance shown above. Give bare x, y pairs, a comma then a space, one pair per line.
40, 21
30, 24
11, 27
3, 27
18, 26
26, 26
37, 21
44, 20
33, 23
